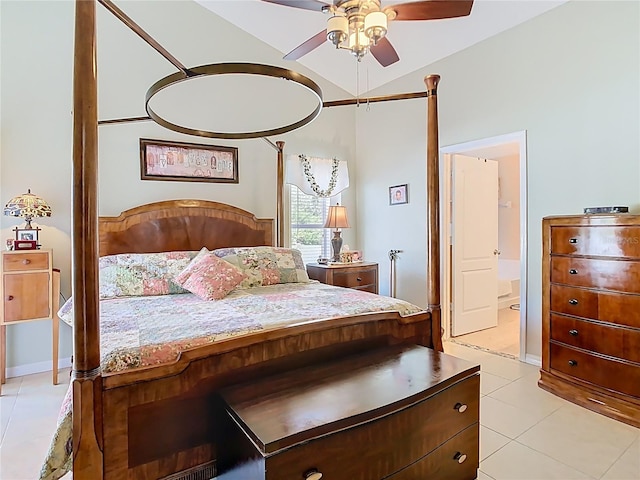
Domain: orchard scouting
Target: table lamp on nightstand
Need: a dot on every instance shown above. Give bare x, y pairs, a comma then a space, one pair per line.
27, 206
336, 219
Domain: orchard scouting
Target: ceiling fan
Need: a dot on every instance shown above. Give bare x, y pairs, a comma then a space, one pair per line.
360, 26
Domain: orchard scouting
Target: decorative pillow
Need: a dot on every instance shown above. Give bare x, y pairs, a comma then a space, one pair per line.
210, 277
142, 274
266, 265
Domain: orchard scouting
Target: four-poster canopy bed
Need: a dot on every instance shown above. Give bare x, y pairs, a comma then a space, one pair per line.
156, 421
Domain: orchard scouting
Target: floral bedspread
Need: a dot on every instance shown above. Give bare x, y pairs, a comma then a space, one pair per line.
149, 330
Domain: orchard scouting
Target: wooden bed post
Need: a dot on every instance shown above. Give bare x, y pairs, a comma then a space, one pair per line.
433, 210
86, 381
280, 206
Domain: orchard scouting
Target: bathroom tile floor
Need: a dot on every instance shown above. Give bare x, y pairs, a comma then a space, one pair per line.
525, 433
505, 338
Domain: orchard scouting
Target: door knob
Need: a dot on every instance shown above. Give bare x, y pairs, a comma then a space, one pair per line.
460, 457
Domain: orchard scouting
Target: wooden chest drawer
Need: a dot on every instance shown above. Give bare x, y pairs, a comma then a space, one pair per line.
618, 308
25, 261
458, 458
616, 275
605, 372
613, 341
400, 439
362, 417
354, 278
603, 241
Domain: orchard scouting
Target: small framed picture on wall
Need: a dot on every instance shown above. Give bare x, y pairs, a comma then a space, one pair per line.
398, 194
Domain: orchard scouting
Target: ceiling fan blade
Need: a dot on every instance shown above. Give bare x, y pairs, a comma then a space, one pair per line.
432, 9
315, 5
384, 52
311, 44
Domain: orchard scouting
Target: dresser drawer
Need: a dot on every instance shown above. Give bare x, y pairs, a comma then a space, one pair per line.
618, 308
613, 341
353, 278
458, 458
605, 241
25, 261
616, 275
603, 372
409, 434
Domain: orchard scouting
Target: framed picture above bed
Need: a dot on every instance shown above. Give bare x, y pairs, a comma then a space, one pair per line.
187, 162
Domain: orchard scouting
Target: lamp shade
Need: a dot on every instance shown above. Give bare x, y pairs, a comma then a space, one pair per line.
337, 217
27, 206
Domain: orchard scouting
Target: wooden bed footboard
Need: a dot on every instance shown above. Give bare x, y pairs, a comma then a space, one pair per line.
160, 427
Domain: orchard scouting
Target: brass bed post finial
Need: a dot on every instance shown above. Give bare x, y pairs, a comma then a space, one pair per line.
433, 210
280, 204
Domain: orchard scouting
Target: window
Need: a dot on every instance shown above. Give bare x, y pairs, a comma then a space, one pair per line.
308, 214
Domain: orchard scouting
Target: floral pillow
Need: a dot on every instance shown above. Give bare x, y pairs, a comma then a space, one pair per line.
142, 274
210, 277
266, 265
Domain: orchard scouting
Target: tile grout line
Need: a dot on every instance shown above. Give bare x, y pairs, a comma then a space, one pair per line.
637, 439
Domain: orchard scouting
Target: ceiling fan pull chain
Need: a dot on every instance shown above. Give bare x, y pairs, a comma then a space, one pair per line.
368, 103
358, 84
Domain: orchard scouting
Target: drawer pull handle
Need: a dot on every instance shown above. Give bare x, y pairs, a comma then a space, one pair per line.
312, 474
573, 271
460, 457
10, 297
26, 261
573, 240
573, 301
460, 407
359, 279
573, 363
573, 332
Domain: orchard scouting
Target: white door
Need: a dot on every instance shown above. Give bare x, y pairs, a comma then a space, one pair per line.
474, 239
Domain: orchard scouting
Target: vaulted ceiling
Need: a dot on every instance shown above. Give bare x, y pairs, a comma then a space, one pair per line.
418, 43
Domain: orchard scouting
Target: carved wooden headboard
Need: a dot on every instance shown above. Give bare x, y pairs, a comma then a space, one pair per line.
176, 225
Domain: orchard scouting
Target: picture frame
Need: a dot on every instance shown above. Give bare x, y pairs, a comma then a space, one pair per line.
27, 234
187, 162
398, 194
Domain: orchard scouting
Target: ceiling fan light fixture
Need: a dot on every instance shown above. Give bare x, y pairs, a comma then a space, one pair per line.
337, 29
358, 44
375, 26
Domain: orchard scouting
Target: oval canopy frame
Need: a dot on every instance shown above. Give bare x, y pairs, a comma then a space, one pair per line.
230, 68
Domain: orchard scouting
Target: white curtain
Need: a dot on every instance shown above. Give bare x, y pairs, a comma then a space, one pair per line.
317, 180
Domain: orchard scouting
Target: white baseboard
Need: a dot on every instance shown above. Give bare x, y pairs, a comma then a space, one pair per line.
39, 367
533, 359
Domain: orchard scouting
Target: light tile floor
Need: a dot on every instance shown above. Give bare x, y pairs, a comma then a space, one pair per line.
525, 433
504, 338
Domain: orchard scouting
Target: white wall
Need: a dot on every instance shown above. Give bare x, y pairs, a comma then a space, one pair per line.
570, 78
509, 207
36, 116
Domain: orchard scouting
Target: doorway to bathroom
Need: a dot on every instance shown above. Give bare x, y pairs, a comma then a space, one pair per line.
484, 225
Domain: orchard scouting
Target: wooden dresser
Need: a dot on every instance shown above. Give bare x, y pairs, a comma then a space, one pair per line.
396, 412
591, 312
358, 275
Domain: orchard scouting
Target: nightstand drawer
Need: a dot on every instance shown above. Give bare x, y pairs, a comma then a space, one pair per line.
361, 276
354, 278
25, 261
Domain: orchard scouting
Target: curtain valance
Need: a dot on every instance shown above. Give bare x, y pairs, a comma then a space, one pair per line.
322, 177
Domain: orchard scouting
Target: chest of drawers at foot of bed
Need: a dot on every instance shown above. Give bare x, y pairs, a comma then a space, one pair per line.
435, 433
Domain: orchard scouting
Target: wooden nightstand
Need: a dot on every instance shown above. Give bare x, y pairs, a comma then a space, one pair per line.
30, 290
359, 275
